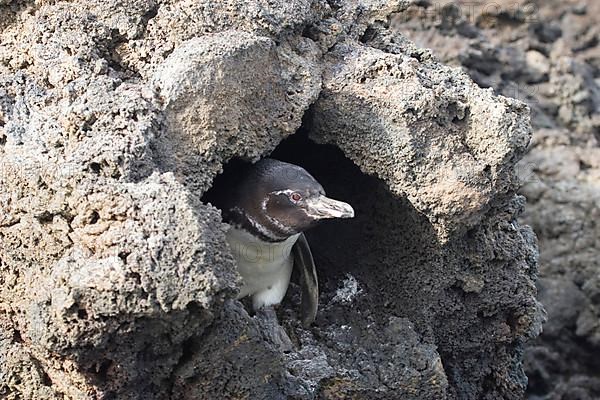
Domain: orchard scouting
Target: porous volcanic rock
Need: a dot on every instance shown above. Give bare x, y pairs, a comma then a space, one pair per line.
546, 53
116, 281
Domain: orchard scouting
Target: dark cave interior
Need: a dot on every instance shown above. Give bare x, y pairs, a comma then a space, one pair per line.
387, 235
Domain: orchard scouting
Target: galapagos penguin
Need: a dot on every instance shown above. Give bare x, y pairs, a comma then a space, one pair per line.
268, 208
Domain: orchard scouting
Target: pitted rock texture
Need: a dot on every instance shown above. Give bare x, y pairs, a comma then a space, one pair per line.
547, 54
115, 277
395, 115
442, 291
199, 95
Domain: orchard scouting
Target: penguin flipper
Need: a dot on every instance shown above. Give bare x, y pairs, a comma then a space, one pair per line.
303, 260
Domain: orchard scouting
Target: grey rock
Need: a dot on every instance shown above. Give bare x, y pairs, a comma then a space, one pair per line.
560, 172
116, 280
564, 302
379, 107
209, 115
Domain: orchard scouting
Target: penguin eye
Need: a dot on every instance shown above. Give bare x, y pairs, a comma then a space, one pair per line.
296, 197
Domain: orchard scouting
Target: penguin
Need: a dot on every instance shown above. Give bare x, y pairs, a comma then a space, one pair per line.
268, 207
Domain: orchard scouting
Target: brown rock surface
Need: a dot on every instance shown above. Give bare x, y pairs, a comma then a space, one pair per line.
115, 278
547, 54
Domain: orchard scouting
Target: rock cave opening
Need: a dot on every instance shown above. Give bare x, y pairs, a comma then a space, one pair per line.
380, 263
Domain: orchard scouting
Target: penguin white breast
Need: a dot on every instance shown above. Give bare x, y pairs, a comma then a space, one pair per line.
264, 266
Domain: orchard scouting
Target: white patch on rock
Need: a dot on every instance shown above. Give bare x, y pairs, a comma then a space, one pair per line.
349, 290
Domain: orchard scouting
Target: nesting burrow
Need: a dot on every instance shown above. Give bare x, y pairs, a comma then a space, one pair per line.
389, 287
374, 263
365, 264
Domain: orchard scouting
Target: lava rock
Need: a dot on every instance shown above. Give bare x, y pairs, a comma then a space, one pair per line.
116, 279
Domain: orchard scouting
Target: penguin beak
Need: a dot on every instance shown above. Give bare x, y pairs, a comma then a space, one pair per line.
323, 207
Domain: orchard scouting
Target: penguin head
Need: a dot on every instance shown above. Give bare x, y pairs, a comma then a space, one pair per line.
279, 199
